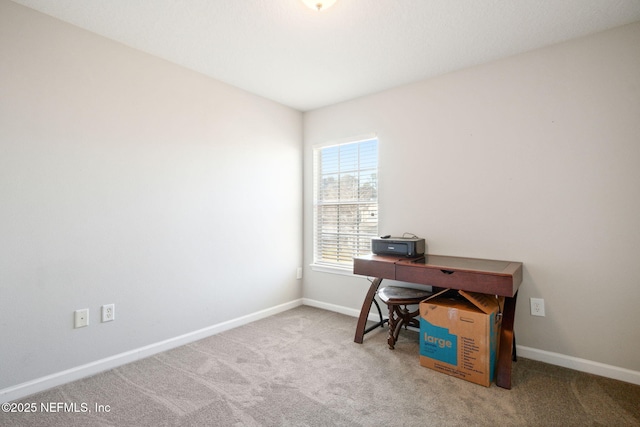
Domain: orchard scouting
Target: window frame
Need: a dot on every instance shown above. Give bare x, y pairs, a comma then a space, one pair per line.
335, 266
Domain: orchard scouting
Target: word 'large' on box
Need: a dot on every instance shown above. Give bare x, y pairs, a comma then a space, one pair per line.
459, 333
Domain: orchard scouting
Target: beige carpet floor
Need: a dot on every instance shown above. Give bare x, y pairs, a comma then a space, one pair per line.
302, 368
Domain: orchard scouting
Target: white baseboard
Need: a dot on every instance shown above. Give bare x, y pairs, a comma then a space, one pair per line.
40, 384
583, 365
332, 307
557, 359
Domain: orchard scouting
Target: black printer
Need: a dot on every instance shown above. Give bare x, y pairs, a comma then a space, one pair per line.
410, 247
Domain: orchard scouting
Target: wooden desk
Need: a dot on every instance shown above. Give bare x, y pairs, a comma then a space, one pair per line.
486, 276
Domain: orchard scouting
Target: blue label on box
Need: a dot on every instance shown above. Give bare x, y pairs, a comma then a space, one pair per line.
437, 343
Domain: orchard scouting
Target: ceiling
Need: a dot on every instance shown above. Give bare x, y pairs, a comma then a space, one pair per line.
284, 51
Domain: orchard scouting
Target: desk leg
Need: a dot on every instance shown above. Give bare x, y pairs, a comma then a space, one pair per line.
503, 369
366, 307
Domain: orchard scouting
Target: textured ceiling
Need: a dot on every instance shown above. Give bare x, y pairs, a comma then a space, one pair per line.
305, 59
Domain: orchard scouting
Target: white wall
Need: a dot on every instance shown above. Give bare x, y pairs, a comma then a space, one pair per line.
125, 179
535, 159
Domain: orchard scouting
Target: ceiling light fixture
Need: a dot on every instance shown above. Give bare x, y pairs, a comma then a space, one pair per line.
318, 4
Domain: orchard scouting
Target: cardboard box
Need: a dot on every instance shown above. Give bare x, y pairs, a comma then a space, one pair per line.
459, 334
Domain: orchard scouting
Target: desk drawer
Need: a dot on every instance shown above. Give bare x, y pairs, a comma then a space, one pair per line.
486, 283
375, 266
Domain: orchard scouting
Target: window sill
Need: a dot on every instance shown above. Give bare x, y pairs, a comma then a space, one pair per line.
344, 271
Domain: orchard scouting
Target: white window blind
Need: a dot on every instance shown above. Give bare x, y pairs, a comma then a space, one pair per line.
345, 201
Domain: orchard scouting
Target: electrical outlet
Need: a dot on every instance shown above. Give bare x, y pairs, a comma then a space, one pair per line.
81, 318
108, 312
299, 273
537, 307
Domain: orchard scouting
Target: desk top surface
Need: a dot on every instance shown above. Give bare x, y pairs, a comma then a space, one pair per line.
473, 274
460, 263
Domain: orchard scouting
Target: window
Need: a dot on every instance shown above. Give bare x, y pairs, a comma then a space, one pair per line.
345, 201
